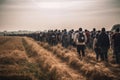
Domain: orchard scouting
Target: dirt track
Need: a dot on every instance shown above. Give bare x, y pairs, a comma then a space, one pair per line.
40, 61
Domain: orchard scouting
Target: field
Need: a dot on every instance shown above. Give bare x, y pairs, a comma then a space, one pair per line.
22, 58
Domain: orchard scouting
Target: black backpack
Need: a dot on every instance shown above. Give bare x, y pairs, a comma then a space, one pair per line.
81, 37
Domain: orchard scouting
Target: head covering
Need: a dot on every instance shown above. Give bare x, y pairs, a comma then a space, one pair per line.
103, 29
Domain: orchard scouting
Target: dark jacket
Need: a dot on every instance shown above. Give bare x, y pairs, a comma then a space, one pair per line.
116, 40
103, 40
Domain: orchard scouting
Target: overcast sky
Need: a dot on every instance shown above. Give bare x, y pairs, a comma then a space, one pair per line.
58, 14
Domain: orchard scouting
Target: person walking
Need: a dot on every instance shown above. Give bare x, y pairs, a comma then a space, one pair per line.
96, 47
116, 46
104, 44
80, 42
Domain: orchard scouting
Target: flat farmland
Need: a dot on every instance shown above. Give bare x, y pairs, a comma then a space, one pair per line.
23, 58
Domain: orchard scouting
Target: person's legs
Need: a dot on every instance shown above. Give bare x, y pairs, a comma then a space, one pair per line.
117, 54
78, 49
106, 54
96, 52
102, 54
99, 52
83, 50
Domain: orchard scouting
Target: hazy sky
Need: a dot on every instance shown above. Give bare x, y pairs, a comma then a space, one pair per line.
58, 14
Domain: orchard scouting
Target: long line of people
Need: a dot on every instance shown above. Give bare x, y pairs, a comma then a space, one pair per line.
100, 41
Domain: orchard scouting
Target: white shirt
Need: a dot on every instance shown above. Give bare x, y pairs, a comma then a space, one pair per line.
76, 39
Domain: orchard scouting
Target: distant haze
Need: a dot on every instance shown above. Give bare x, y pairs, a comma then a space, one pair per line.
58, 14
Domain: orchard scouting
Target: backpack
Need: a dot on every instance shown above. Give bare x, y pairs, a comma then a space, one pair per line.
81, 37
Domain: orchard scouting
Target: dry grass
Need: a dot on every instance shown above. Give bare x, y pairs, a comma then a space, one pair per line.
48, 63
14, 63
15, 57
23, 59
93, 71
10, 44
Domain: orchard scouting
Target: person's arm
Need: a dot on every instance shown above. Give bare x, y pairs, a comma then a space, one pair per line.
99, 41
112, 41
94, 42
76, 38
85, 38
108, 42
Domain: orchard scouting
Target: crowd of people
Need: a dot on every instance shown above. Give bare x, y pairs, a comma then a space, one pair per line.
100, 41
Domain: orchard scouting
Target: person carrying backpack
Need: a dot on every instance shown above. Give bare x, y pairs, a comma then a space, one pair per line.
80, 42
